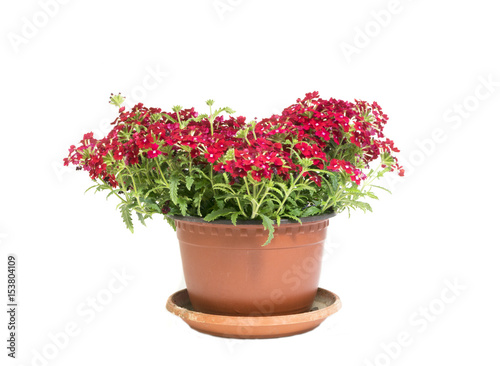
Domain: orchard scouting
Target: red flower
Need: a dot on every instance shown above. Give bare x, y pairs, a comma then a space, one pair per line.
314, 177
110, 179
323, 133
213, 154
154, 152
118, 153
340, 165
304, 148
273, 148
144, 141
257, 175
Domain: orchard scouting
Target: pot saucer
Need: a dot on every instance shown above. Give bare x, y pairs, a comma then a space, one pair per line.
325, 304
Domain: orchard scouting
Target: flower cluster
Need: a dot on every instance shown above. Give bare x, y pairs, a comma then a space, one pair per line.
309, 155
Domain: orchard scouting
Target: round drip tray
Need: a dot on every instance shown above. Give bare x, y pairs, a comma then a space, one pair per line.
325, 304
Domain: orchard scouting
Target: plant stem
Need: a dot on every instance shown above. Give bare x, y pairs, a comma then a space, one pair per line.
161, 173
290, 190
262, 199
211, 122
135, 189
112, 190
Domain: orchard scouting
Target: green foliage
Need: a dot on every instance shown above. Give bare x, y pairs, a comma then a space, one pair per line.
116, 100
127, 216
175, 183
269, 226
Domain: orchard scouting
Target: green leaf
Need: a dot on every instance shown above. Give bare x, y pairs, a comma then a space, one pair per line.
197, 201
116, 100
141, 218
304, 187
174, 185
171, 222
371, 195
169, 117
88, 189
223, 187
218, 213
234, 217
268, 225
189, 182
151, 205
362, 205
311, 211
295, 218
127, 216
183, 202
379, 187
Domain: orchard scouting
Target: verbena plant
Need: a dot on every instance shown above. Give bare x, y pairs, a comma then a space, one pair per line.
313, 158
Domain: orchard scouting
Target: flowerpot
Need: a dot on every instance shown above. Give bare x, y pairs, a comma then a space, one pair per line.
228, 270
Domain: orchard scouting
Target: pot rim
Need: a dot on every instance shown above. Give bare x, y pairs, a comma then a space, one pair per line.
200, 220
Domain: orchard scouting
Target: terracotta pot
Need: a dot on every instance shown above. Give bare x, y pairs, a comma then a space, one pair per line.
228, 271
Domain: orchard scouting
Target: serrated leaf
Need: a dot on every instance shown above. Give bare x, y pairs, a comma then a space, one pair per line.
362, 205
276, 190
218, 213
189, 182
127, 216
234, 217
311, 211
171, 222
141, 218
379, 187
183, 202
170, 118
304, 187
268, 225
295, 218
197, 201
371, 195
174, 185
223, 187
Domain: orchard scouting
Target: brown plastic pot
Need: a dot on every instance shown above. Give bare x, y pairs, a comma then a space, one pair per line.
228, 271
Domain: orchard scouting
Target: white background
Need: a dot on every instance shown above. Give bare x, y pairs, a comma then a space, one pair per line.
422, 61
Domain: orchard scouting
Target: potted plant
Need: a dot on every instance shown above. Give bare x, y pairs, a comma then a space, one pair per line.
250, 200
